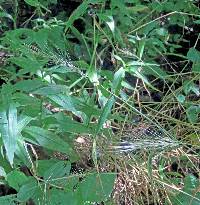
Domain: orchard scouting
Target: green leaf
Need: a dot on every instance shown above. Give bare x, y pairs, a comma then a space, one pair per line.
22, 153
28, 190
193, 55
135, 70
181, 98
57, 170
28, 65
66, 124
43, 166
189, 194
58, 197
189, 86
48, 140
52, 90
6, 15
190, 182
2, 172
23, 122
97, 187
196, 67
65, 101
111, 23
197, 22
118, 77
192, 113
106, 111
34, 3
15, 179
92, 75
141, 48
8, 200
77, 13
75, 105
8, 130
138, 8
29, 85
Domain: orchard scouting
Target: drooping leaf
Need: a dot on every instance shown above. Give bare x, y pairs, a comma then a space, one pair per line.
8, 130
118, 77
66, 124
52, 90
6, 15
48, 140
105, 112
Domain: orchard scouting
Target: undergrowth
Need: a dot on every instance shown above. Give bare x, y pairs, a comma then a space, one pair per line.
99, 102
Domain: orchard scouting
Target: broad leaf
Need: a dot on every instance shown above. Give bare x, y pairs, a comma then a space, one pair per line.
58, 170
15, 179
97, 187
28, 190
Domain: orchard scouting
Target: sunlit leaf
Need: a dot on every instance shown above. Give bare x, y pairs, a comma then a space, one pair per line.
8, 130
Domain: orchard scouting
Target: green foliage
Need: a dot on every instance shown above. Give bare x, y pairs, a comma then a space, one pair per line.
61, 81
191, 184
